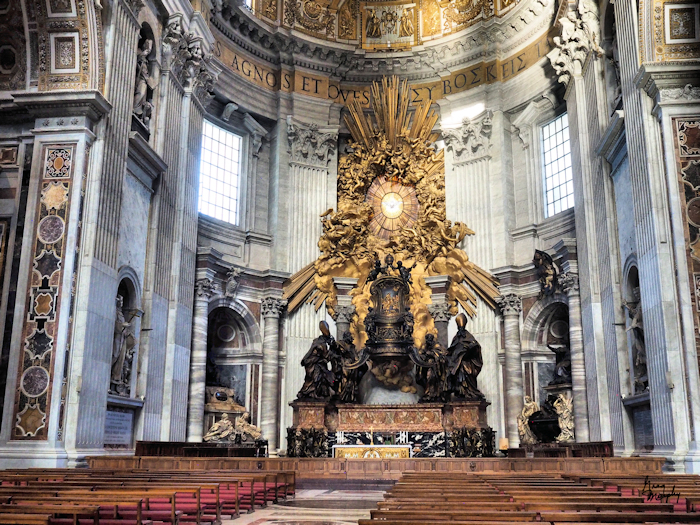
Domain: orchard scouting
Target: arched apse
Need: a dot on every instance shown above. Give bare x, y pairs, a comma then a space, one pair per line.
234, 354
545, 346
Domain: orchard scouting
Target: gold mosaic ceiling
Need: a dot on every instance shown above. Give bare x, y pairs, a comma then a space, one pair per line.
383, 25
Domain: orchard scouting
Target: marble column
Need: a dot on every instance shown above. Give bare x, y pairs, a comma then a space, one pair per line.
511, 306
440, 307
204, 288
569, 283
271, 308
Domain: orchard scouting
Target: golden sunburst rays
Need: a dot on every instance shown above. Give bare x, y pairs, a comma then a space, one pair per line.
390, 102
391, 198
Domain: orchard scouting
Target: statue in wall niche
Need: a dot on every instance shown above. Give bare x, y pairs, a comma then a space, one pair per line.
122, 351
546, 272
464, 363
433, 378
562, 367
349, 380
564, 408
527, 437
635, 331
142, 107
318, 380
221, 430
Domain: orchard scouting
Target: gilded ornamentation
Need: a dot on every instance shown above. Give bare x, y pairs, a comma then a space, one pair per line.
270, 9
347, 20
675, 35
410, 418
546, 272
431, 17
307, 443
406, 23
309, 16
398, 146
579, 36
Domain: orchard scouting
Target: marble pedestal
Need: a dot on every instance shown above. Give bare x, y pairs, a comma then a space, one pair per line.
454, 429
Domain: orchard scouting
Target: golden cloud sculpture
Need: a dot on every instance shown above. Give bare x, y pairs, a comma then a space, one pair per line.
391, 199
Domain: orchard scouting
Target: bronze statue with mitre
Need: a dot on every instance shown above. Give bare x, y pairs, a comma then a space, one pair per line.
464, 363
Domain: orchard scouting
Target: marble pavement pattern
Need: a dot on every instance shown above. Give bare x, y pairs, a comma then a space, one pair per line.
315, 507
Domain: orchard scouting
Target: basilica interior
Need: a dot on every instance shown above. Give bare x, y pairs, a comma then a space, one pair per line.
292, 228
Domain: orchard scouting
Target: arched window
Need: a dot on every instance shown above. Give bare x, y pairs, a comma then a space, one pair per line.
556, 152
219, 173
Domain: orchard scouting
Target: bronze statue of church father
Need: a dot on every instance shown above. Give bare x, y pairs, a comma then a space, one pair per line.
392, 378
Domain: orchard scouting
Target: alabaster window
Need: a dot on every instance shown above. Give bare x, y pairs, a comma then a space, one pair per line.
556, 151
219, 174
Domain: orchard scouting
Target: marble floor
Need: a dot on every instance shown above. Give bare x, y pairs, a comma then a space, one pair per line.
315, 507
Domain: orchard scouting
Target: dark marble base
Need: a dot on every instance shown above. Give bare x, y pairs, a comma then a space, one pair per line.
307, 443
472, 443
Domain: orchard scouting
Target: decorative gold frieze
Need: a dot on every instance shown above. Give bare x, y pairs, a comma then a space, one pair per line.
387, 418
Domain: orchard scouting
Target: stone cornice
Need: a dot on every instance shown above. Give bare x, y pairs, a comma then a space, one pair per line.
659, 79
91, 104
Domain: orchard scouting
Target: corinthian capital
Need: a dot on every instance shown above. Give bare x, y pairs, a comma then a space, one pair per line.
204, 287
308, 145
343, 314
440, 312
579, 36
471, 140
569, 282
272, 306
509, 304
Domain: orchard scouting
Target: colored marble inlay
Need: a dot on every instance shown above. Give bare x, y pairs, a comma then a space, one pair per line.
687, 145
37, 358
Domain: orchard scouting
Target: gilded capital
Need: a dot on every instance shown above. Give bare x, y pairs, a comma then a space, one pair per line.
509, 304
272, 306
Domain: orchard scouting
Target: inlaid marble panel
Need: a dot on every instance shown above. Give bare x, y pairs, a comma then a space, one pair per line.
37, 355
